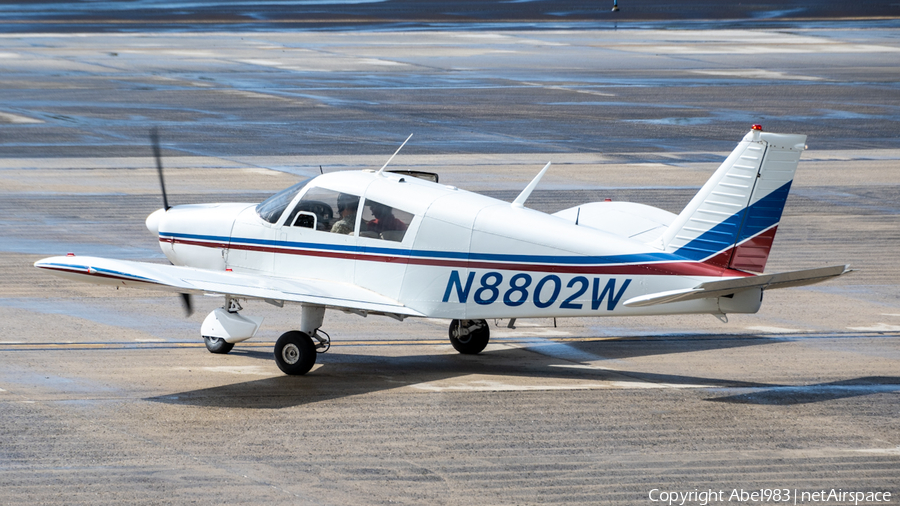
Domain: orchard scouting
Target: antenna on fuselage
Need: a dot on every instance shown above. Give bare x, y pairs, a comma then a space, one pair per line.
381, 170
520, 200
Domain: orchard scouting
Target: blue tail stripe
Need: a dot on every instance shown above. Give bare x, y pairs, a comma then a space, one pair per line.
759, 216
766, 212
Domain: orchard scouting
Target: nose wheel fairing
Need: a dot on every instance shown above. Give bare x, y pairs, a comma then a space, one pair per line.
230, 327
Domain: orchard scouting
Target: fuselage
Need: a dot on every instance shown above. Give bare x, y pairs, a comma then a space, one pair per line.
451, 253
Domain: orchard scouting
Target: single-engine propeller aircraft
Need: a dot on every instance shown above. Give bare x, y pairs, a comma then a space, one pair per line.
381, 243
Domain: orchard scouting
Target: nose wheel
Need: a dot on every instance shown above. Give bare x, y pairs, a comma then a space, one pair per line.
469, 337
217, 345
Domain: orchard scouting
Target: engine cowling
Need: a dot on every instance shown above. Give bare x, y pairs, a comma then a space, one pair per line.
195, 235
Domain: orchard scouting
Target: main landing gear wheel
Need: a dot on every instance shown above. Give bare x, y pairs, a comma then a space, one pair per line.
217, 345
295, 353
469, 336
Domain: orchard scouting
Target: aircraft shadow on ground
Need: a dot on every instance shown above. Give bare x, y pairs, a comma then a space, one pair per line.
645, 346
344, 375
804, 394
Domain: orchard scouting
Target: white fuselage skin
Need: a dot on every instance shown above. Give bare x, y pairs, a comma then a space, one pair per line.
464, 255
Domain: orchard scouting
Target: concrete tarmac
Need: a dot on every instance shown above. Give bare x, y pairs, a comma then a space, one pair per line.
108, 397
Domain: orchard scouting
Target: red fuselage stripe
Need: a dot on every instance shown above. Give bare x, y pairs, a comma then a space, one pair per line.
686, 268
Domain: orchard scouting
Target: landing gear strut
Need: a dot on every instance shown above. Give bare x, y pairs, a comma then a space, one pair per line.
469, 337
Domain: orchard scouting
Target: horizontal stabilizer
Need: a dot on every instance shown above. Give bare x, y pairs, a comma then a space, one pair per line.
712, 289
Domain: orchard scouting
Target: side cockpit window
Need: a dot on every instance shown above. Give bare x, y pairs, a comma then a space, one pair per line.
380, 221
325, 210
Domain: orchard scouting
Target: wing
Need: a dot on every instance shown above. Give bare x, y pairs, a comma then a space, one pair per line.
186, 279
724, 287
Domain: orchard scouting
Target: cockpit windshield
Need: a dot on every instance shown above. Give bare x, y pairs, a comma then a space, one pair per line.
272, 208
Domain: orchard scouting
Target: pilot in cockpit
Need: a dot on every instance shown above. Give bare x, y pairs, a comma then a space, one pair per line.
347, 205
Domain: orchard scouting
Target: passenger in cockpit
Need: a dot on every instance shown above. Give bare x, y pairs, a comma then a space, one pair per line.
384, 219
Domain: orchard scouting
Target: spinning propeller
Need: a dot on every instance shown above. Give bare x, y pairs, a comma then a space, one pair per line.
186, 299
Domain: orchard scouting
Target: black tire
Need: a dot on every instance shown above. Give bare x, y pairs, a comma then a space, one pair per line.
217, 345
295, 353
475, 341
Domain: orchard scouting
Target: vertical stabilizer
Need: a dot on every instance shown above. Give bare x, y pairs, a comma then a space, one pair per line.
731, 222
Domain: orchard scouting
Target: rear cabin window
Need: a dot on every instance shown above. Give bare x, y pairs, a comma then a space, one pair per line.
380, 221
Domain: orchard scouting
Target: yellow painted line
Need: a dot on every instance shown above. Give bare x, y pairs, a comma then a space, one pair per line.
391, 342
146, 345
588, 339
52, 346
19, 346
245, 344
88, 346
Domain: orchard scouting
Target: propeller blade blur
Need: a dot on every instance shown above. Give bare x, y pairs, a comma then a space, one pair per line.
154, 141
188, 302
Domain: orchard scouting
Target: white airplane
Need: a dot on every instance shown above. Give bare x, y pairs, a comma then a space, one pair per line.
381, 243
